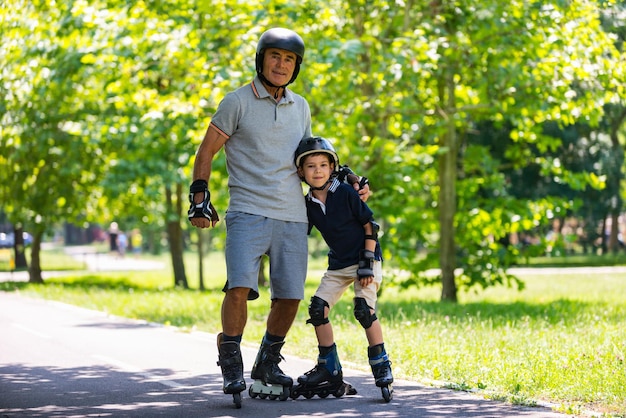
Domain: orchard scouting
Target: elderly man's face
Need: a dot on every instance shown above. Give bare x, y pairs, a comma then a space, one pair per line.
279, 65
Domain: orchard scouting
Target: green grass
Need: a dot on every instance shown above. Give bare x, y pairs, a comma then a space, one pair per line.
561, 340
52, 259
578, 260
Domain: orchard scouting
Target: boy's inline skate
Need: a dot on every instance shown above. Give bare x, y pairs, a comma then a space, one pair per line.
269, 379
381, 369
326, 378
231, 363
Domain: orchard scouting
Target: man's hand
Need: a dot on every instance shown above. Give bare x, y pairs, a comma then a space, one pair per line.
360, 184
204, 222
364, 191
201, 212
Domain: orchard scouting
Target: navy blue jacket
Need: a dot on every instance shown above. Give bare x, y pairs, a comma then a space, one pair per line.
341, 225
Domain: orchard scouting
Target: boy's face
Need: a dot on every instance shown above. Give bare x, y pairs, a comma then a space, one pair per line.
316, 169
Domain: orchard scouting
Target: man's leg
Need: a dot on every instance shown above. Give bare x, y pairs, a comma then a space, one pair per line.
288, 261
282, 314
235, 311
234, 315
269, 378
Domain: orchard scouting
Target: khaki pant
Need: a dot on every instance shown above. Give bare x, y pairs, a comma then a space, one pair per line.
335, 282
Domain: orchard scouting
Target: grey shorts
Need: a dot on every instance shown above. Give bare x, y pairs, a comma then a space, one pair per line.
249, 237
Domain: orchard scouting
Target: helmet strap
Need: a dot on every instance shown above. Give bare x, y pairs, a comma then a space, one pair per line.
269, 83
322, 187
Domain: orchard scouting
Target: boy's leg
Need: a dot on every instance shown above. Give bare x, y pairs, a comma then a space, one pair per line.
381, 366
326, 378
364, 304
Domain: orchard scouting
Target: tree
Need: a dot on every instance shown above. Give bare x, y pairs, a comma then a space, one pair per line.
614, 22
413, 82
49, 161
173, 58
121, 95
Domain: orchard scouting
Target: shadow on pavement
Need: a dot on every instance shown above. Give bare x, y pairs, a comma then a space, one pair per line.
106, 391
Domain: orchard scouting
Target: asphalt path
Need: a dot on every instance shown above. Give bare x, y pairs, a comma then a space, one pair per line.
59, 360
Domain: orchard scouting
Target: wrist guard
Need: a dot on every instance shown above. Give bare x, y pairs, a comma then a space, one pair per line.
375, 229
343, 172
366, 264
346, 175
203, 209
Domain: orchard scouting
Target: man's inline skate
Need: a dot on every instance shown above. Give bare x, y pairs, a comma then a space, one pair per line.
381, 369
326, 378
231, 363
269, 380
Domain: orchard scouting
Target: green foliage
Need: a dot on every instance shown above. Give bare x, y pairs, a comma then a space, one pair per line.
103, 105
49, 159
383, 74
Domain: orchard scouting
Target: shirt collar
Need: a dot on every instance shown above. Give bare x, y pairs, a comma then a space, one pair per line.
261, 92
334, 185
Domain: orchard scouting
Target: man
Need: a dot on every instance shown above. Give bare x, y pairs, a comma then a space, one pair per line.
260, 126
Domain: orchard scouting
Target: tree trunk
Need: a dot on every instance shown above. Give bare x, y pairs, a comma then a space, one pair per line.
175, 235
34, 271
262, 280
200, 259
616, 180
604, 238
447, 193
19, 248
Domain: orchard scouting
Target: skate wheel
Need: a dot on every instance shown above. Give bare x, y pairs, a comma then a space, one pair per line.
285, 395
273, 397
237, 400
251, 393
262, 395
323, 394
340, 392
309, 395
386, 393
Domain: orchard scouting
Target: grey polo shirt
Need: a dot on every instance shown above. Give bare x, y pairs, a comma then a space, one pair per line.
262, 138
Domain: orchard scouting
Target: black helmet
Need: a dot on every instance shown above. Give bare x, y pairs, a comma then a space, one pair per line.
314, 145
280, 38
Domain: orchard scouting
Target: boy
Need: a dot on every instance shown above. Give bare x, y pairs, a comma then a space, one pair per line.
347, 226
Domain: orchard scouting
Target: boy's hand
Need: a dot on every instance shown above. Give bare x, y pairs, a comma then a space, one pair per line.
366, 281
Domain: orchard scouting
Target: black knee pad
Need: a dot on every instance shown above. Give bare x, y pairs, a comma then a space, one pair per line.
362, 313
316, 312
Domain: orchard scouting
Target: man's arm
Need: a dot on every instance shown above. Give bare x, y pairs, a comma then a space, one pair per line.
212, 142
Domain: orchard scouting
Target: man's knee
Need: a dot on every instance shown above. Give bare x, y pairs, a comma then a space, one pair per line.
238, 294
284, 310
285, 303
